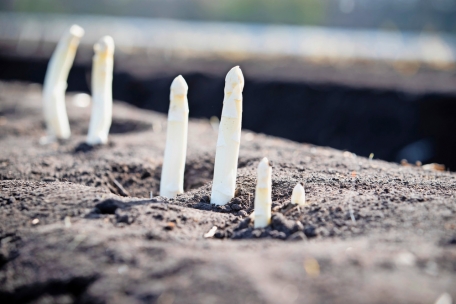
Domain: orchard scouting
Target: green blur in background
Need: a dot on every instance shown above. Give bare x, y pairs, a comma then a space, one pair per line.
290, 11
415, 15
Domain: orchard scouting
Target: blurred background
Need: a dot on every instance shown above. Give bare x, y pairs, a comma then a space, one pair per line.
367, 76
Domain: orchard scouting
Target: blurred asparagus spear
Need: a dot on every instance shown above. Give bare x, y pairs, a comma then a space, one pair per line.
55, 83
101, 118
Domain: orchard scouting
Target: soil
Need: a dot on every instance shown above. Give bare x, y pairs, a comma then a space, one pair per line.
82, 224
363, 108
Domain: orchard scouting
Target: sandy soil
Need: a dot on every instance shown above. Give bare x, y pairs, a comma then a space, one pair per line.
77, 225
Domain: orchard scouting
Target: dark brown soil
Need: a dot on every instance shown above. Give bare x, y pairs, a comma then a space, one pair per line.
364, 107
77, 224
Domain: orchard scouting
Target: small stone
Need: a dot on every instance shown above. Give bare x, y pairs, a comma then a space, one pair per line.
238, 192
203, 206
452, 241
170, 226
256, 233
228, 233
242, 213
224, 208
310, 231
298, 226
122, 269
109, 206
275, 205
297, 236
278, 219
35, 221
281, 223
278, 235
275, 209
235, 207
322, 231
219, 235
242, 234
145, 174
244, 224
152, 235
84, 148
236, 201
123, 217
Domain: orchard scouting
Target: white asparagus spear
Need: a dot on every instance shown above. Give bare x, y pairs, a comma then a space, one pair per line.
55, 84
263, 191
172, 177
229, 139
298, 196
101, 118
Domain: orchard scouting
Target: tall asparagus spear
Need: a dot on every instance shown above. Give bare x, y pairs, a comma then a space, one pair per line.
172, 178
263, 191
55, 83
229, 139
101, 118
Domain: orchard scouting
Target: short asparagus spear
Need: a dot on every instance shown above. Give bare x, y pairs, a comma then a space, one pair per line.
229, 139
172, 178
55, 84
298, 196
101, 118
263, 200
